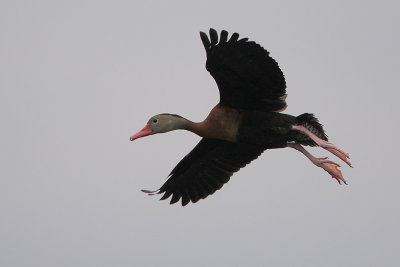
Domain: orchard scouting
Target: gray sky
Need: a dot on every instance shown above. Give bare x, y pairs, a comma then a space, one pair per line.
77, 78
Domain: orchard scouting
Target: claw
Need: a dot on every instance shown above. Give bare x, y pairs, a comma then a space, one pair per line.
340, 154
325, 144
334, 150
333, 170
329, 162
329, 166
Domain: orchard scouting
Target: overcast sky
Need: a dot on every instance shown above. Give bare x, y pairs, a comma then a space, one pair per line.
77, 78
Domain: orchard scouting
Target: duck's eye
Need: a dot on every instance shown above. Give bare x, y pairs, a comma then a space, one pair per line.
155, 120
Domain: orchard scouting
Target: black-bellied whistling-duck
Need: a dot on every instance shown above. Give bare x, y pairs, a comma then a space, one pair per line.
245, 122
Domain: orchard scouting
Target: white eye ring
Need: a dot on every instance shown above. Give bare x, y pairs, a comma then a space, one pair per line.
155, 120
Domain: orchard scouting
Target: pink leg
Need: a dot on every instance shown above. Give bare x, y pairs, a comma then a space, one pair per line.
324, 144
329, 166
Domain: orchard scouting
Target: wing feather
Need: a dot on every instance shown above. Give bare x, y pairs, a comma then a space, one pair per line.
166, 195
175, 197
247, 77
205, 40
224, 36
206, 169
214, 37
234, 37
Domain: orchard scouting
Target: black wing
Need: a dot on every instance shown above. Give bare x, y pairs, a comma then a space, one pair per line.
206, 169
247, 77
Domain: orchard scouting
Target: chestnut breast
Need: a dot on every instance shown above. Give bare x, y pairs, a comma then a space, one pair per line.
222, 123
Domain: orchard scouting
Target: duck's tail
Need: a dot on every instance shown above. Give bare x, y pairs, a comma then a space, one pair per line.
312, 124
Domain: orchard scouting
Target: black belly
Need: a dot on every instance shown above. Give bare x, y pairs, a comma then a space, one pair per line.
271, 129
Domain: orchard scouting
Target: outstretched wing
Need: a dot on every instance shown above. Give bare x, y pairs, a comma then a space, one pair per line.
206, 169
247, 77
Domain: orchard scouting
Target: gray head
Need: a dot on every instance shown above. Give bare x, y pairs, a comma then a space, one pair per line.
161, 123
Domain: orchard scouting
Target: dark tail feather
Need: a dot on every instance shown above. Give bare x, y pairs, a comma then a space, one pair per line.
312, 124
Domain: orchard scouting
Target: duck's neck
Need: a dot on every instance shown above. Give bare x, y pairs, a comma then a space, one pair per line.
222, 123
199, 128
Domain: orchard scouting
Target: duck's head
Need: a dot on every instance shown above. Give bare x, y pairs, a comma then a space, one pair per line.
161, 123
